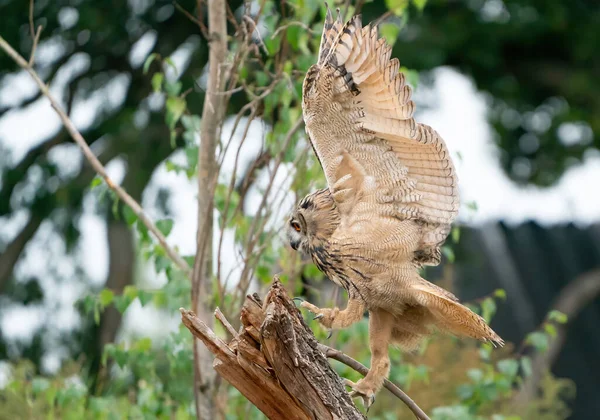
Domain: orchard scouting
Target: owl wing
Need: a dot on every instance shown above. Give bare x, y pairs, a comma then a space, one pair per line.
376, 158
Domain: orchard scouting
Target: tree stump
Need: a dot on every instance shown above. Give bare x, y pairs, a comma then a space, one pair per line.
275, 361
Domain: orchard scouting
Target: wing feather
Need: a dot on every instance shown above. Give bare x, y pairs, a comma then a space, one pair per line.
356, 103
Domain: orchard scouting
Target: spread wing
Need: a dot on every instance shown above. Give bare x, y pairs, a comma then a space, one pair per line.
359, 118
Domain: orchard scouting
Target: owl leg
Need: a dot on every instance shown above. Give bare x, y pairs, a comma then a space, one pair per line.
381, 324
334, 317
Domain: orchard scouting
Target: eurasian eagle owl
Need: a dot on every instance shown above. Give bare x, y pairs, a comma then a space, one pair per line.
392, 195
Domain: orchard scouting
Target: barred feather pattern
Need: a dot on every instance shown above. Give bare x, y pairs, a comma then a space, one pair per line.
391, 196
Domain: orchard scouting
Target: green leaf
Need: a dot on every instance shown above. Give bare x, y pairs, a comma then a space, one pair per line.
122, 303
144, 297
476, 375
106, 297
143, 231
143, 345
165, 226
449, 253
39, 385
149, 61
173, 139
509, 367
419, 4
455, 234
131, 292
465, 392
175, 108
161, 263
397, 6
390, 32
115, 208
97, 315
539, 340
157, 80
412, 76
557, 316
159, 299
526, 366
121, 357
488, 308
169, 61
550, 329
129, 215
485, 352
472, 205
500, 294
191, 122
95, 182
173, 88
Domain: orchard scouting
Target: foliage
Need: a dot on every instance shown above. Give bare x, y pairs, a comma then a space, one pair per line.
143, 378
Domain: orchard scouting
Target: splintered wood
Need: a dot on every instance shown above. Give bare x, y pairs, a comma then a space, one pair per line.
274, 360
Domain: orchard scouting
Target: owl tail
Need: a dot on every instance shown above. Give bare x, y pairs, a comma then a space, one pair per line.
453, 317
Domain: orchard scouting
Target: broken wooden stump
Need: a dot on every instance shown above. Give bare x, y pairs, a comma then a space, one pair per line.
275, 361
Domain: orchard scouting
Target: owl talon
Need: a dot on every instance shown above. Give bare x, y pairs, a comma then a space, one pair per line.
318, 316
299, 299
329, 332
367, 396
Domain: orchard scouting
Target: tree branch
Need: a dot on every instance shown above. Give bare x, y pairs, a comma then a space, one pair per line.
363, 370
212, 117
10, 256
575, 296
93, 160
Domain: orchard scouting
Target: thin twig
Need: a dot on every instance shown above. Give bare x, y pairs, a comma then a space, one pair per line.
294, 23
31, 30
252, 237
35, 35
225, 216
219, 315
255, 29
94, 162
191, 17
362, 369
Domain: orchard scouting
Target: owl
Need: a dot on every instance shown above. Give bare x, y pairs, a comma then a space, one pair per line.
392, 194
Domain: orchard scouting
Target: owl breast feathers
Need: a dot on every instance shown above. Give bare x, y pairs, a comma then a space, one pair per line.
391, 197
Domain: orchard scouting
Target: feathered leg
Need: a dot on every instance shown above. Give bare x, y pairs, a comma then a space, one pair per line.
336, 318
381, 324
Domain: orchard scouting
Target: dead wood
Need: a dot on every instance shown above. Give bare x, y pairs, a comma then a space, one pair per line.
275, 361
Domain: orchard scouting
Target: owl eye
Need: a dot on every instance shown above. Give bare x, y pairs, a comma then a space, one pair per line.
296, 226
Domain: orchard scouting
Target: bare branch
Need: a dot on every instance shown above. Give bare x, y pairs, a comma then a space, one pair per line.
257, 222
93, 160
363, 370
575, 296
219, 315
35, 35
191, 17
287, 25
212, 119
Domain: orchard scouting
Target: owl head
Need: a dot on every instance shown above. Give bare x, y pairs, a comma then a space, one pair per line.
313, 221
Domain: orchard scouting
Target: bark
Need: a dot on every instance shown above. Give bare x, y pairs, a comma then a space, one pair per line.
212, 117
276, 362
10, 256
120, 274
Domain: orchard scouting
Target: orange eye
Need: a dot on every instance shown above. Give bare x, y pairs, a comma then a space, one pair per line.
296, 226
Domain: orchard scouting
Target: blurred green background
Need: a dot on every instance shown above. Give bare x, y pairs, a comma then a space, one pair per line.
89, 326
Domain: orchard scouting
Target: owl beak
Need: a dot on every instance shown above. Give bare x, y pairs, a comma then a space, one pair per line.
295, 244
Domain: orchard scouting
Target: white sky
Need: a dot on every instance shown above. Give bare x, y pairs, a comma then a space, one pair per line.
459, 116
